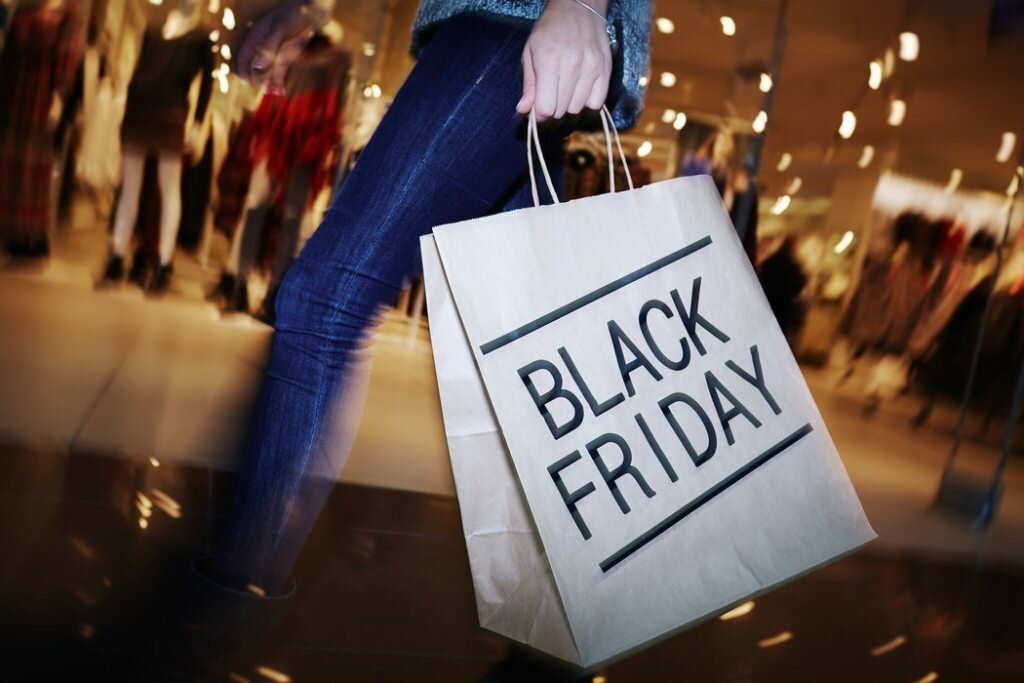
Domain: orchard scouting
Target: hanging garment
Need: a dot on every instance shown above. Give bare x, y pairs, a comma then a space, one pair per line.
233, 179
955, 288
99, 155
909, 285
40, 56
302, 126
158, 105
865, 319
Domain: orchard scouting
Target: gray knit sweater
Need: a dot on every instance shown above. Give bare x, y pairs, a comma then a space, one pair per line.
630, 18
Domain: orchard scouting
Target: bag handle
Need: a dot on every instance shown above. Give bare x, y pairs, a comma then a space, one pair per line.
533, 145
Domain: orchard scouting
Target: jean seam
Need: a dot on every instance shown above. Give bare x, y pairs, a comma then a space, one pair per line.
336, 314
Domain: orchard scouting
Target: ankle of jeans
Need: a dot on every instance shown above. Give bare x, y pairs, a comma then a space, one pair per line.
204, 568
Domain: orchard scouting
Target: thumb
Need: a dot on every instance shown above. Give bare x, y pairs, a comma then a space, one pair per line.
529, 84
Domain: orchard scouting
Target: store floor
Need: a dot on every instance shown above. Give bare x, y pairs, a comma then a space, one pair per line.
106, 395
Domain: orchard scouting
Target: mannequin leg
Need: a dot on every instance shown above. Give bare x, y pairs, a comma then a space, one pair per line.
231, 293
296, 195
132, 164
169, 172
258, 196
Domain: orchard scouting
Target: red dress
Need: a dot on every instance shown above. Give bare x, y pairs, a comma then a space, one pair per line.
39, 57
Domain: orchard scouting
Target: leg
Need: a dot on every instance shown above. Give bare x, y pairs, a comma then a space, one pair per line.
258, 196
449, 148
132, 163
296, 195
169, 173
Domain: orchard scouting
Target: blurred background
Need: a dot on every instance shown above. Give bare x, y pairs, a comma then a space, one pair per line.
868, 151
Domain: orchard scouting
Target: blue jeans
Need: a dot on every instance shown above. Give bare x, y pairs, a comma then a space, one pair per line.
450, 148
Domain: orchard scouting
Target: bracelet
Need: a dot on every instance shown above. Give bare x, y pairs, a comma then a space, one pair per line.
613, 42
590, 9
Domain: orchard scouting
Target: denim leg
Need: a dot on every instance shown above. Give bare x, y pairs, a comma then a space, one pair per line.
450, 148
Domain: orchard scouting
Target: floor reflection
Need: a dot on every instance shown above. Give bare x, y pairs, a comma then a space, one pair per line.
93, 545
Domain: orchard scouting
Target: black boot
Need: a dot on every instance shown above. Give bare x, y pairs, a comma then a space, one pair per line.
238, 302
223, 290
160, 281
143, 266
113, 274
215, 629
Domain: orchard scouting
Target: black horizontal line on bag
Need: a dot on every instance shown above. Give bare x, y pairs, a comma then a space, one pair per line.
590, 298
680, 514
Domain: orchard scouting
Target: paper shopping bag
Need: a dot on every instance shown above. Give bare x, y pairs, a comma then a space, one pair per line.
634, 447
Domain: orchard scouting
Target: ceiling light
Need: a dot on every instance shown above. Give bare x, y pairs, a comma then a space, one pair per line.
848, 125
225, 52
766, 83
844, 242
642, 82
794, 185
897, 112
680, 121
955, 176
784, 161
875, 74
644, 149
214, 35
1006, 147
929, 677
665, 25
156, 2
781, 204
668, 116
728, 26
667, 79
760, 121
866, 155
910, 46
888, 63
213, 7
369, 49
229, 19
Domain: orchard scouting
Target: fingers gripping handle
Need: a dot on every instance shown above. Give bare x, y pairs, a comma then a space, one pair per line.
533, 145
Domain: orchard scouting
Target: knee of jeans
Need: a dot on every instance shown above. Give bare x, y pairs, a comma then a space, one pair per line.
329, 303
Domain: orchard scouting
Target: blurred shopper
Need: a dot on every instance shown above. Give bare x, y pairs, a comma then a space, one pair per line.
783, 280
451, 147
37, 71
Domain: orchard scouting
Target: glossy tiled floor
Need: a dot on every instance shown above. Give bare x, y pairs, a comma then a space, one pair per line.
386, 593
108, 400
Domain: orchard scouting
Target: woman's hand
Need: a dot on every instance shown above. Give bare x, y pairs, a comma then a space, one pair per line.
567, 62
274, 40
